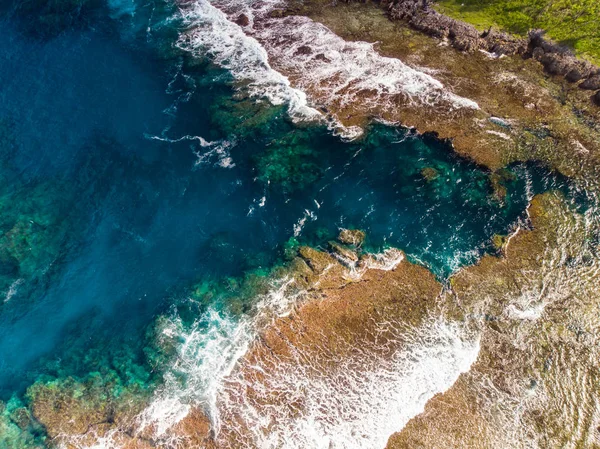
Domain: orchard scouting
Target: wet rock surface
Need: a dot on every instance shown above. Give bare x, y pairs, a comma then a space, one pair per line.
351, 236
529, 308
536, 341
551, 119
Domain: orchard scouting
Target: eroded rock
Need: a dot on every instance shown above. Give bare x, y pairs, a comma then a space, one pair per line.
536, 333
351, 236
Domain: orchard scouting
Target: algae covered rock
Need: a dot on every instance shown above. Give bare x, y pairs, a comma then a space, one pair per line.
290, 162
90, 407
429, 174
342, 252
499, 181
499, 241
18, 429
353, 237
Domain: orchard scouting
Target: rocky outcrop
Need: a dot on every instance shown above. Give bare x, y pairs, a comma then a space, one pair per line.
421, 16
536, 344
351, 237
596, 98
556, 59
559, 60
355, 328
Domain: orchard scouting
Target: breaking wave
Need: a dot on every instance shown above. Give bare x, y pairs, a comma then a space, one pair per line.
368, 396
268, 55
210, 32
301, 404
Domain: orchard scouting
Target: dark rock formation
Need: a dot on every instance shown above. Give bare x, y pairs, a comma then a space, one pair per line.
559, 60
242, 20
556, 59
421, 16
592, 83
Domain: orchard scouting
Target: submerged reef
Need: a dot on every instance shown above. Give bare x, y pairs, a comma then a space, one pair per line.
533, 347
46, 19
35, 219
337, 343
290, 162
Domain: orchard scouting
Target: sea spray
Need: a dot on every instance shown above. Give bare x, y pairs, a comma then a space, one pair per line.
206, 354
211, 33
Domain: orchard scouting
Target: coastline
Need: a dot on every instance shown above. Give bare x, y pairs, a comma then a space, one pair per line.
347, 315
525, 113
340, 346
556, 59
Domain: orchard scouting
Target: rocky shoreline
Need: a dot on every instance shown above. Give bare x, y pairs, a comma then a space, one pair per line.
357, 312
533, 306
525, 114
556, 59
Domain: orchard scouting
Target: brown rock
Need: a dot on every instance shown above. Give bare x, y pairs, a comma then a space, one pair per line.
430, 174
351, 237
592, 83
242, 20
526, 366
195, 430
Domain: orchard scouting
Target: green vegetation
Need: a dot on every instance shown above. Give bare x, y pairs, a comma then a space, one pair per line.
571, 22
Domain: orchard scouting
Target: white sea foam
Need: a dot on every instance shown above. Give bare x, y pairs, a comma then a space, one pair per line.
299, 225
12, 290
216, 153
387, 260
210, 32
208, 352
533, 312
360, 404
341, 73
336, 74
498, 134
367, 397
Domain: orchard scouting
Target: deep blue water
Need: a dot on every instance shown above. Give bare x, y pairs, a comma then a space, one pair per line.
104, 225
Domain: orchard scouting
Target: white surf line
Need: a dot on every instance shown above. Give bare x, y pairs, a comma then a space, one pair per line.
344, 73
210, 32
335, 73
207, 354
359, 405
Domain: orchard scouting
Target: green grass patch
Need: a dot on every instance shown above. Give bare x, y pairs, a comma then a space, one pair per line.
575, 23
